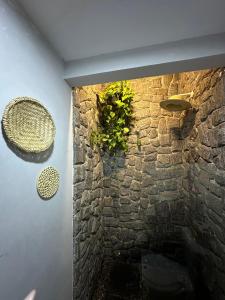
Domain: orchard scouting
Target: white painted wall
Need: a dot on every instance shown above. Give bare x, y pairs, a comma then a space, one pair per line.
181, 56
35, 235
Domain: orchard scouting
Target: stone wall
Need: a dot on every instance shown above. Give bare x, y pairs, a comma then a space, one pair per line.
174, 181
143, 201
204, 153
88, 198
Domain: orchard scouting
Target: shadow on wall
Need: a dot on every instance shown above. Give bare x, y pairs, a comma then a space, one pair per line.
112, 164
188, 123
28, 156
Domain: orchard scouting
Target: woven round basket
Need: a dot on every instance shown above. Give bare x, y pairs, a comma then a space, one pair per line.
28, 125
48, 183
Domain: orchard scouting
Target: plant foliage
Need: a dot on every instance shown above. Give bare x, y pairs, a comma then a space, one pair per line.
115, 117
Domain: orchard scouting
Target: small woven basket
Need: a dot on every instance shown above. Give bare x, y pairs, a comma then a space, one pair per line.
48, 183
28, 125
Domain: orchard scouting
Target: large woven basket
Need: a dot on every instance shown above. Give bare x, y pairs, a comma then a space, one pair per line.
48, 182
28, 125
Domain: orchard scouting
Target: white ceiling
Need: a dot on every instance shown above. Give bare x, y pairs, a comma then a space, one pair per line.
79, 29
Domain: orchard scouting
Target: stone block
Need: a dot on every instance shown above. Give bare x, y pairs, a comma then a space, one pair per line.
79, 174
173, 123
134, 207
205, 152
125, 209
149, 149
147, 181
111, 222
144, 203
204, 178
153, 190
88, 180
220, 177
163, 160
153, 133
154, 122
79, 155
165, 140
214, 203
108, 202
142, 114
221, 135
218, 116
219, 160
134, 195
125, 218
127, 235
142, 239
125, 200
145, 141
126, 182
156, 82
131, 161
176, 158
150, 157
111, 192
124, 191
162, 128
169, 196
94, 225
78, 190
142, 124
108, 212
138, 164
166, 80
169, 173
135, 186
170, 185
154, 109
85, 213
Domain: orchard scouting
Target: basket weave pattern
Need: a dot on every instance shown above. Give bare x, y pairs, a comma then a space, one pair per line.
48, 183
28, 125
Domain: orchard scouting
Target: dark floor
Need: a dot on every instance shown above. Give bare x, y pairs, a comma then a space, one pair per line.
122, 279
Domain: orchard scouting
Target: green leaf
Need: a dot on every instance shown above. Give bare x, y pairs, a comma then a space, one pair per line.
119, 103
112, 114
115, 117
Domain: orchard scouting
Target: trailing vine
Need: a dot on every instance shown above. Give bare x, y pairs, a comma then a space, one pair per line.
114, 106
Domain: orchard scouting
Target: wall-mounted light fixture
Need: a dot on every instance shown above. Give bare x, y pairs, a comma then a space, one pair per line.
177, 102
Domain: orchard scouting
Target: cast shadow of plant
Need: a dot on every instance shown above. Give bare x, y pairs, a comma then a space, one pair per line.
28, 156
188, 123
112, 163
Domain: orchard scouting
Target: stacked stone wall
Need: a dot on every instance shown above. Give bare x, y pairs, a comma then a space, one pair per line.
88, 197
204, 153
172, 179
143, 201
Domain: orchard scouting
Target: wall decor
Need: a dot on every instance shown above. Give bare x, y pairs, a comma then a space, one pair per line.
28, 125
48, 183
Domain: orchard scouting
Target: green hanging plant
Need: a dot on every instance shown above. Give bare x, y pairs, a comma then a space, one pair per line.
114, 105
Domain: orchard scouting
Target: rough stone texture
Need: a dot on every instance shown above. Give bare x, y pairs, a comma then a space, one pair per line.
88, 198
173, 181
145, 186
204, 183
